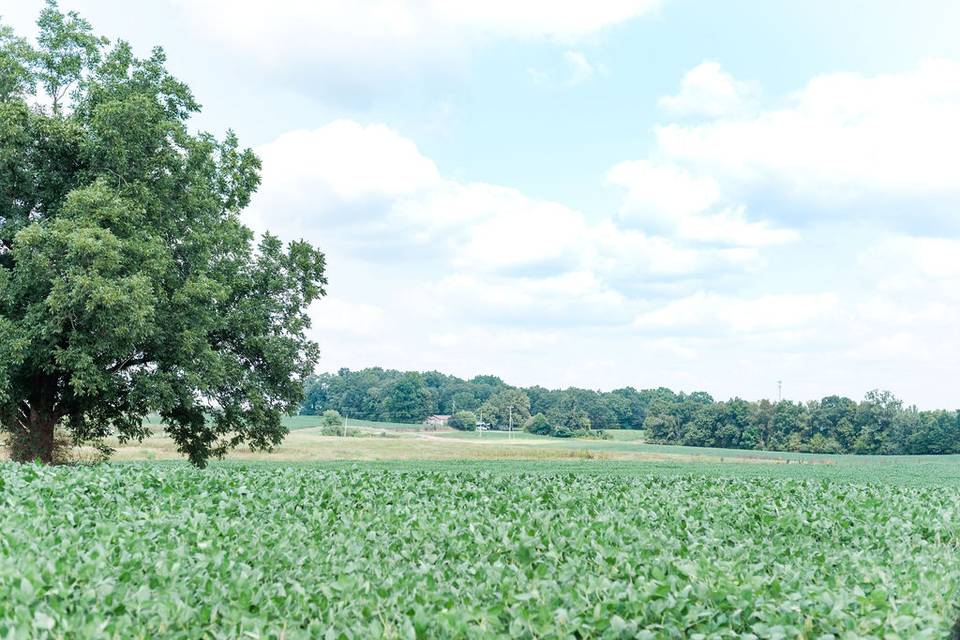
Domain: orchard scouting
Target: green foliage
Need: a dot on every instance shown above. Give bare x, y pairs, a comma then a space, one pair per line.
569, 422
539, 425
331, 418
67, 51
366, 393
340, 431
149, 551
878, 425
510, 407
408, 399
463, 421
128, 284
16, 60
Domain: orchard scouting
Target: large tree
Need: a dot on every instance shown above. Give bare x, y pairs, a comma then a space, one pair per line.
506, 409
128, 284
408, 399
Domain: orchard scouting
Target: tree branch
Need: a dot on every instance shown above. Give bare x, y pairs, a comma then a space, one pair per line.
126, 364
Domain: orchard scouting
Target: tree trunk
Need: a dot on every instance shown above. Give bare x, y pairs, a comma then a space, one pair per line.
33, 441
32, 438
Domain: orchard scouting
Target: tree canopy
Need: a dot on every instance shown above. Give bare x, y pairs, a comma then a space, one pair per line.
128, 284
509, 408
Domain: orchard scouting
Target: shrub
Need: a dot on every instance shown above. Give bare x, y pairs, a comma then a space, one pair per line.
569, 423
539, 424
463, 421
334, 430
331, 418
592, 434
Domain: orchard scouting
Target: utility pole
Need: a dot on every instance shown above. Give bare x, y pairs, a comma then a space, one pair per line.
480, 424
779, 391
510, 431
345, 425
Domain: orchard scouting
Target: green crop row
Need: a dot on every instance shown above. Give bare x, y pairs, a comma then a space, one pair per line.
155, 551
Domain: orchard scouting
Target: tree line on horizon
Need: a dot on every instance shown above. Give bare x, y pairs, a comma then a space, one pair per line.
878, 424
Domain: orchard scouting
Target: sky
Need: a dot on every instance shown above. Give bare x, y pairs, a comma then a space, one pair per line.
683, 193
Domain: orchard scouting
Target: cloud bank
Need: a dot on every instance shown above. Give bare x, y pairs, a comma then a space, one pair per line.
808, 237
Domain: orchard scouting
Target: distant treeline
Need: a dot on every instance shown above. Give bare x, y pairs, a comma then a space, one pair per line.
879, 424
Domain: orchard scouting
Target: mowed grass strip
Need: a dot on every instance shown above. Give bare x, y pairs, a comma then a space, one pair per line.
308, 444
166, 551
294, 423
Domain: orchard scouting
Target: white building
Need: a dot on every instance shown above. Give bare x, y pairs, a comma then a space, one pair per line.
436, 421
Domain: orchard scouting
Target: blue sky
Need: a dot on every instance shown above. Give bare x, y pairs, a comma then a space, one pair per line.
693, 194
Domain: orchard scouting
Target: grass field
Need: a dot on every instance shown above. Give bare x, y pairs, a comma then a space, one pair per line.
291, 422
390, 426
450, 534
626, 435
498, 436
307, 444
404, 442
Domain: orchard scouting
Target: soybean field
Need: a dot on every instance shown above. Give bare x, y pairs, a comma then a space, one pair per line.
421, 550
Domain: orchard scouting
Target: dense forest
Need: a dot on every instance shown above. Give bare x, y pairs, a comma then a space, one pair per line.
879, 424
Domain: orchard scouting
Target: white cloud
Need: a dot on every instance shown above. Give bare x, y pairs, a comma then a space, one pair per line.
565, 21
662, 191
712, 312
625, 253
369, 188
707, 90
907, 258
668, 198
335, 315
341, 174
913, 309
580, 68
843, 145
885, 311
517, 232
900, 346
500, 339
537, 76
730, 226
573, 298
352, 49
576, 70
245, 21
352, 161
